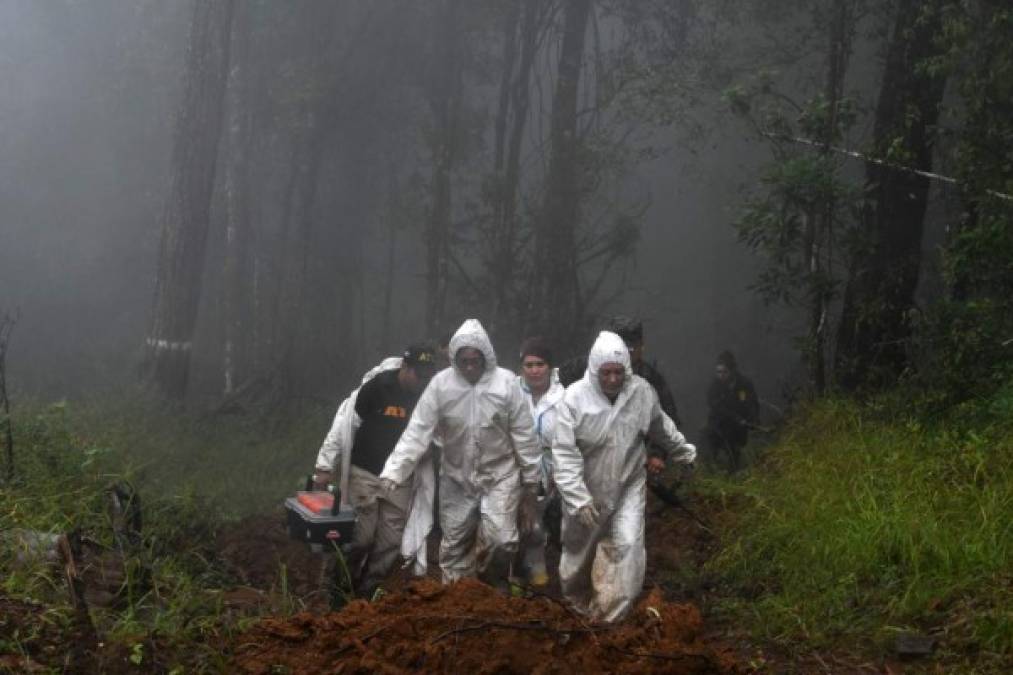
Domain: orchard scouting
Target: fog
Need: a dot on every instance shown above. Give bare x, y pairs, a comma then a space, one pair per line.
91, 93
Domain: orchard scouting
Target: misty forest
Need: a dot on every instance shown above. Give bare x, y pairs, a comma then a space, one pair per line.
795, 220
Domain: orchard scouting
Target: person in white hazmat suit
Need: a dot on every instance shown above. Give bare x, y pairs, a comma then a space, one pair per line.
368, 424
600, 467
490, 466
344, 426
539, 381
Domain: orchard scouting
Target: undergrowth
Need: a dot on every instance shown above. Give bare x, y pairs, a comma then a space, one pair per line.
868, 520
193, 475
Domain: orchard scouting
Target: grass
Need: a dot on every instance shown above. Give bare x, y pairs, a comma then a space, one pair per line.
192, 474
860, 522
870, 520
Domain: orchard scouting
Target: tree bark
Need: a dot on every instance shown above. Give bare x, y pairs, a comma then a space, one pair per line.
445, 100
884, 272
511, 121
238, 249
819, 224
554, 299
186, 218
7, 323
293, 315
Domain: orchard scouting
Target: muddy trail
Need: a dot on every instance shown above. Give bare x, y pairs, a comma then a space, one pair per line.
470, 627
420, 625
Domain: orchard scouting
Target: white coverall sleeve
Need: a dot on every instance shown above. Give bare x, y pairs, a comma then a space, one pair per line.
415, 440
339, 438
568, 462
664, 433
525, 441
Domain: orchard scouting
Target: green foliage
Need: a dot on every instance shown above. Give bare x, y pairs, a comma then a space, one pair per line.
192, 475
869, 519
965, 342
793, 190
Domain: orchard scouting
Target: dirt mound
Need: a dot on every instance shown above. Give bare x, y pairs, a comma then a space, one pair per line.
469, 627
258, 551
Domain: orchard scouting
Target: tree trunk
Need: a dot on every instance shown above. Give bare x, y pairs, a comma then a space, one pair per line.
7, 322
238, 250
186, 219
884, 273
445, 102
510, 124
554, 298
293, 317
819, 235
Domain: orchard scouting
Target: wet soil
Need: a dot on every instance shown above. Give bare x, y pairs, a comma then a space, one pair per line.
35, 639
469, 627
420, 625
259, 554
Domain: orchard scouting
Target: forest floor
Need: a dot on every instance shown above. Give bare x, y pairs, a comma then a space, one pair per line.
420, 625
824, 555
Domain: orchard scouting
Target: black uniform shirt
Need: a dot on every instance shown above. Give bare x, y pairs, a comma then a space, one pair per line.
384, 408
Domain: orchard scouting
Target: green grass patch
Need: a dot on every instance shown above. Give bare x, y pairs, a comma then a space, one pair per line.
193, 475
867, 520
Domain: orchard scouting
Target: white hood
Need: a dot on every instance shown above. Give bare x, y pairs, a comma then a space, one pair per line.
608, 348
472, 334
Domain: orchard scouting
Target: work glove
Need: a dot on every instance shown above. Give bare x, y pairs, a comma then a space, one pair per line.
387, 485
588, 516
527, 512
321, 479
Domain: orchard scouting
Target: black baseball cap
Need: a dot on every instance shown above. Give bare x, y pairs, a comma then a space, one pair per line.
420, 356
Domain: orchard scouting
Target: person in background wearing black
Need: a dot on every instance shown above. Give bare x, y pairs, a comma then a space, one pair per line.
732, 409
383, 407
632, 333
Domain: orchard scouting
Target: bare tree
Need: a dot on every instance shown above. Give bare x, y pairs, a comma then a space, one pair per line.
553, 297
524, 26
186, 219
238, 228
446, 92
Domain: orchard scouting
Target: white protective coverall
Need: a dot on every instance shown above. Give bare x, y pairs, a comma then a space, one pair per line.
531, 560
599, 458
380, 517
489, 451
346, 422
543, 412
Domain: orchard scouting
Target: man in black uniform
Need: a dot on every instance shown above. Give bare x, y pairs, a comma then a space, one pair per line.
384, 405
632, 333
732, 409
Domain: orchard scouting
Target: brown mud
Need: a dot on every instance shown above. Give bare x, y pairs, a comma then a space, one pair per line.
259, 554
469, 627
421, 626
